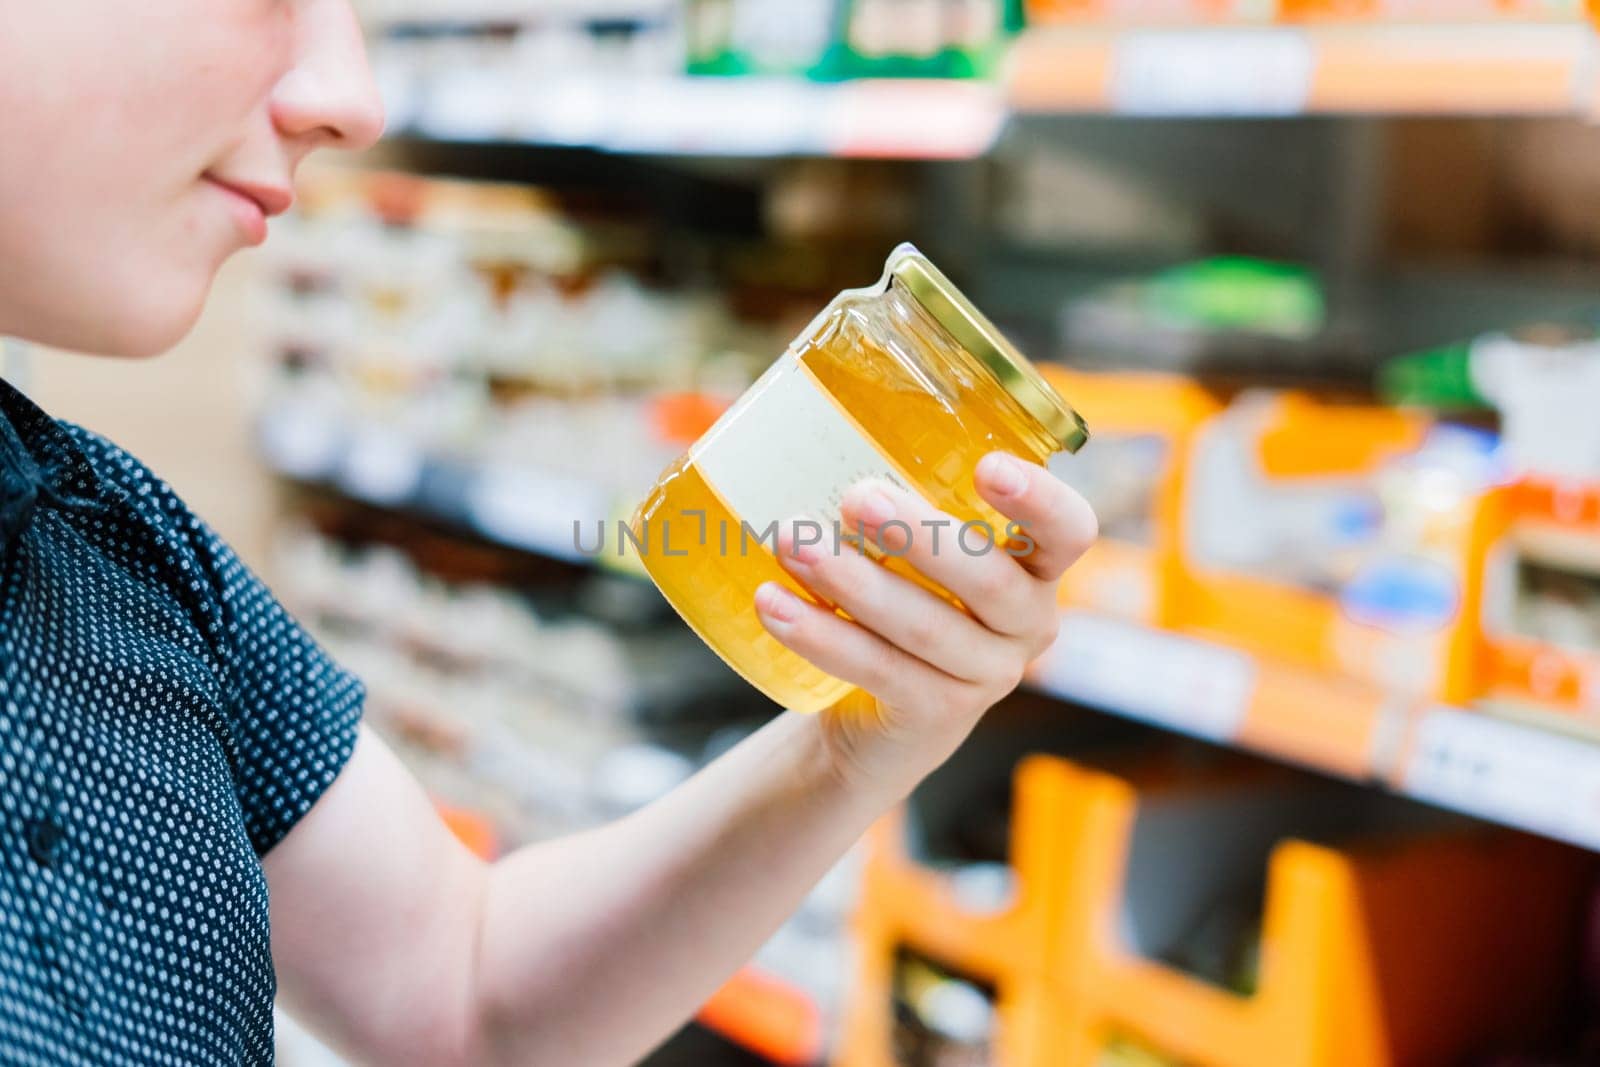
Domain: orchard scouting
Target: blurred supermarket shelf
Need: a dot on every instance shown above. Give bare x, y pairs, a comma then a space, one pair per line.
649, 108
518, 507
1457, 69
1518, 775
1499, 769
384, 14
690, 116
1507, 772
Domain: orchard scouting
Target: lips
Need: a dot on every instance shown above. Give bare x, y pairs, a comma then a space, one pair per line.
252, 203
270, 199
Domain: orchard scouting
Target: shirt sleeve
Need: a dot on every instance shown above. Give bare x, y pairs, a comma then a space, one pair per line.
294, 712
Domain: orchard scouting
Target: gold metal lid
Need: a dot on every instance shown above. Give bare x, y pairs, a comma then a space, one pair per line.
974, 332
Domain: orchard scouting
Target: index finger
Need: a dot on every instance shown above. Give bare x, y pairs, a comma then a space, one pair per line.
1054, 517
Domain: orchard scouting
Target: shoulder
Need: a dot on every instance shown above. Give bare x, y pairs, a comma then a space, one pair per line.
194, 563
125, 475
117, 466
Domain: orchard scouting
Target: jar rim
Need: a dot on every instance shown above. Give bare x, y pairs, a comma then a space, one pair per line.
951, 309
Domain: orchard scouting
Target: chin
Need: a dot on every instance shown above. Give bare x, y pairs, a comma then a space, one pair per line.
162, 317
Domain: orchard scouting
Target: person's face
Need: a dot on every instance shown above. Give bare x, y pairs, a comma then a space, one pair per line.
142, 143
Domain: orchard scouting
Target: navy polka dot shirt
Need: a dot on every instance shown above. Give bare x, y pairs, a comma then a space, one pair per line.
163, 724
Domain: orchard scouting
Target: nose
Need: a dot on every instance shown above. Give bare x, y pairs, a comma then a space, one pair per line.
328, 97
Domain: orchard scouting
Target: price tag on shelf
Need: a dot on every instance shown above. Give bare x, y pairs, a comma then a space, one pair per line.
542, 512
722, 116
1255, 71
1191, 686
1507, 772
914, 119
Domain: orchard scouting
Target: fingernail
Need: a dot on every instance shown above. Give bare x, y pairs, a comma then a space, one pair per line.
777, 604
1004, 474
872, 506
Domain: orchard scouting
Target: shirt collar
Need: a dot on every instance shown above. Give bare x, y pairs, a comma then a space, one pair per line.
37, 461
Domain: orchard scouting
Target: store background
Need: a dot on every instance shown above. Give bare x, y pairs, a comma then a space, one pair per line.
1275, 247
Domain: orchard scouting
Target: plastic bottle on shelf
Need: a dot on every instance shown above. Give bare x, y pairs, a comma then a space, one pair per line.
1544, 380
920, 38
730, 37
1547, 387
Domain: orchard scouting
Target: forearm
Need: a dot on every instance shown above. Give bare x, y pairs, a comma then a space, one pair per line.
594, 948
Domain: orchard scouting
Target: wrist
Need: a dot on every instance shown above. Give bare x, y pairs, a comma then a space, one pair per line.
830, 762
874, 750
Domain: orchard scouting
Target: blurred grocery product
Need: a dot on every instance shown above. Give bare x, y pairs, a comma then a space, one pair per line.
1053, 197
1376, 925
1365, 510
1230, 313
441, 344
923, 38
747, 37
1236, 293
831, 39
1542, 380
944, 1020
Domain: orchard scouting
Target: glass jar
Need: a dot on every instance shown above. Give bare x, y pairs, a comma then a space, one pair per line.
904, 381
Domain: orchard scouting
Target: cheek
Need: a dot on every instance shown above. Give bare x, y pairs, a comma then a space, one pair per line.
106, 238
193, 112
173, 84
82, 270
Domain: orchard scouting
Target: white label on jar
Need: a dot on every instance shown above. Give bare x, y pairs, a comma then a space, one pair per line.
784, 450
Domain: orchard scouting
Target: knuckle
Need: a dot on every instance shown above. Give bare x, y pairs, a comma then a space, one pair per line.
947, 700
1012, 676
1016, 675
1046, 625
934, 695
993, 585
980, 698
878, 673
860, 589
1039, 642
923, 631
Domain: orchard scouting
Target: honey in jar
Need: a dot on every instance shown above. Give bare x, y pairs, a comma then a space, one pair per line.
905, 381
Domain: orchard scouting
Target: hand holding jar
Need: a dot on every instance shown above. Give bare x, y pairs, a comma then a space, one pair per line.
931, 668
873, 517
